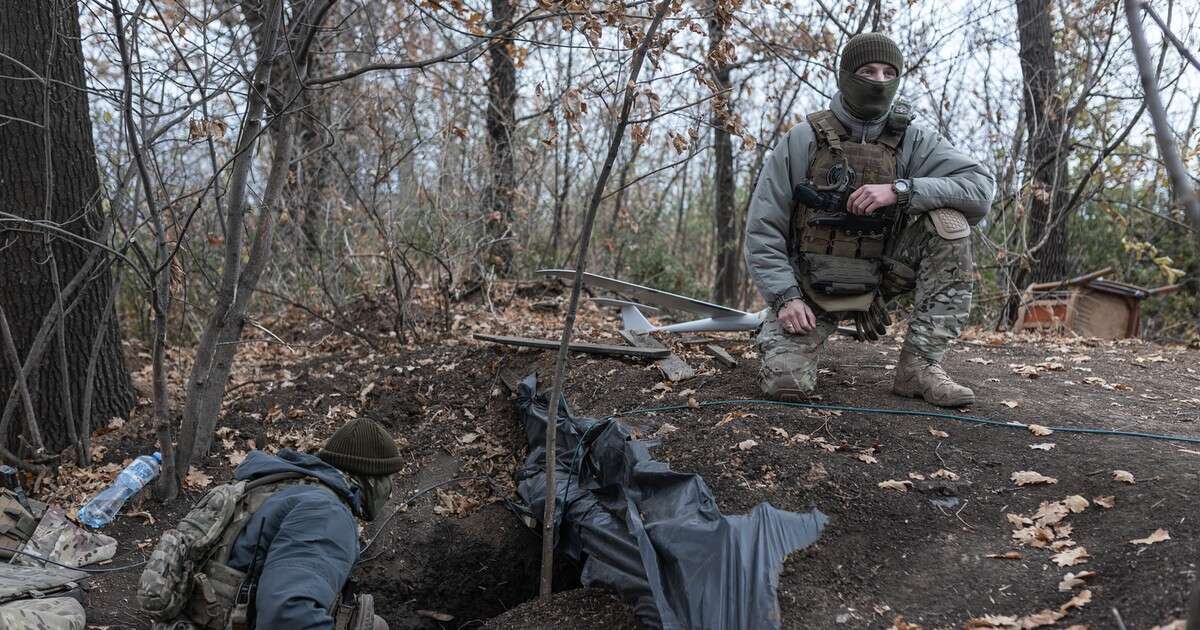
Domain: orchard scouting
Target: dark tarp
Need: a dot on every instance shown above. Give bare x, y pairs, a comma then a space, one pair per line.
654, 535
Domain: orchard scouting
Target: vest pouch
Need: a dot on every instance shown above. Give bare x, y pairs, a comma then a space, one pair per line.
214, 593
837, 275
16, 523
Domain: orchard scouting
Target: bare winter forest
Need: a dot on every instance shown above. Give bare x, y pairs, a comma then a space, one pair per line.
235, 224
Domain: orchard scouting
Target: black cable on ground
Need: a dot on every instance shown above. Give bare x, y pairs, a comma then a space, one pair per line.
67, 566
907, 412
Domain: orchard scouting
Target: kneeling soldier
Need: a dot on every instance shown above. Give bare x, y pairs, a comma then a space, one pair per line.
274, 549
853, 208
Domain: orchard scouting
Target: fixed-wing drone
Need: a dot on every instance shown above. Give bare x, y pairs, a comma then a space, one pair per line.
716, 318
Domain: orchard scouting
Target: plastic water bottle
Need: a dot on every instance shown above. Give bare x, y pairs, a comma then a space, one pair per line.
103, 508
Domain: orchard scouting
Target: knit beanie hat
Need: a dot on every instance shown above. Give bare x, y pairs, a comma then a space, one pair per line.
362, 447
867, 99
866, 48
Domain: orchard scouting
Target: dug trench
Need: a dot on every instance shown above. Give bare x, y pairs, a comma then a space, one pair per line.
462, 558
922, 553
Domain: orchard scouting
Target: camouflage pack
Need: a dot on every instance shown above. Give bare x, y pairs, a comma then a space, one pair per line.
186, 582
50, 613
16, 523
166, 582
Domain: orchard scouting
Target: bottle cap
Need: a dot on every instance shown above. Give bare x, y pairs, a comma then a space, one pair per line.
157, 456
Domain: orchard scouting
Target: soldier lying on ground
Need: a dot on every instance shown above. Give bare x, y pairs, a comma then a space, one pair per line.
855, 207
275, 548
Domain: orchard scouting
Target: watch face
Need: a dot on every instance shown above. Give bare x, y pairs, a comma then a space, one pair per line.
901, 185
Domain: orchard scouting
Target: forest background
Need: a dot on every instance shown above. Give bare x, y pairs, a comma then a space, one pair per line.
174, 169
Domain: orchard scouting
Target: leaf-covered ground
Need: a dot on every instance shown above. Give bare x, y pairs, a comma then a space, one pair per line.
943, 523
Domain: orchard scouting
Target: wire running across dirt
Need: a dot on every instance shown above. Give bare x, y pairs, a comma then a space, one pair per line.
905, 412
67, 566
407, 502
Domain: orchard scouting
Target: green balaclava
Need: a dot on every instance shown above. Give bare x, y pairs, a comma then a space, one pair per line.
376, 492
866, 99
364, 450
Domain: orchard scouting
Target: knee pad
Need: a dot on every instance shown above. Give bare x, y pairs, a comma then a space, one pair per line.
949, 223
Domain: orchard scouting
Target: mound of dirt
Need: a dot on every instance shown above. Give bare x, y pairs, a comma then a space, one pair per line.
578, 608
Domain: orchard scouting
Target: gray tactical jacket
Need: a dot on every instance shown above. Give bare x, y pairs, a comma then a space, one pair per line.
942, 177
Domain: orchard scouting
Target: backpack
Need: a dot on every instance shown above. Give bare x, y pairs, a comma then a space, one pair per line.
186, 574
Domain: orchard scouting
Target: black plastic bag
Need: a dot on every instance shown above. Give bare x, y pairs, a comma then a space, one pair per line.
652, 534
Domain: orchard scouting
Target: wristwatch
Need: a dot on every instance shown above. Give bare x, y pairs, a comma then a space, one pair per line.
903, 190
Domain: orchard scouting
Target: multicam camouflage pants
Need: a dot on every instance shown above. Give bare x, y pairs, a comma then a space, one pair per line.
942, 304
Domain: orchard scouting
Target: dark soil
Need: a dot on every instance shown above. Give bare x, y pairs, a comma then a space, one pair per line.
884, 554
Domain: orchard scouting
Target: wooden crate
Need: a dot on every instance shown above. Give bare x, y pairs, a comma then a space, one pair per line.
1088, 306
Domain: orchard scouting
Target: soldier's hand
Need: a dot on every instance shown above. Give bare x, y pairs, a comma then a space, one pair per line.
797, 318
869, 198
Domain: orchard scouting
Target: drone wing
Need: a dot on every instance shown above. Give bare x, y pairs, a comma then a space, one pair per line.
647, 295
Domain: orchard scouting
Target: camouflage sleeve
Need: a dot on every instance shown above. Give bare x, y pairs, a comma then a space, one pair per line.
944, 177
770, 213
308, 561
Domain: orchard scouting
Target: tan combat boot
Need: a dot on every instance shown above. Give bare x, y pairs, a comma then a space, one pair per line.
917, 377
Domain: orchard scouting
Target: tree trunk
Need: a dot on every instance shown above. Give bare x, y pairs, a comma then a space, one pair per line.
725, 223
1046, 167
48, 171
502, 100
306, 192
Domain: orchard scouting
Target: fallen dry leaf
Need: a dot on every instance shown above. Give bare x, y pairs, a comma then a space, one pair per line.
666, 429
1011, 404
936, 433
1123, 475
916, 476
693, 403
1039, 430
1018, 521
1034, 536
1063, 530
900, 624
1071, 581
196, 479
992, 622
1028, 371
1108, 502
1158, 536
980, 361
1050, 512
942, 473
892, 484
1030, 477
1175, 624
1010, 555
1044, 446
1039, 619
746, 445
1075, 503
866, 458
1082, 598
1071, 557
236, 458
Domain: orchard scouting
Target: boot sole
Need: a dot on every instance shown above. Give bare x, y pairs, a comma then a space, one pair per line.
906, 393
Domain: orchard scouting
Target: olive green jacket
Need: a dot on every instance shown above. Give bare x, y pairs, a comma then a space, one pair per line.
942, 177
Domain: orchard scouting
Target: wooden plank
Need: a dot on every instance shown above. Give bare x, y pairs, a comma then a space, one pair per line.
672, 367
578, 346
721, 355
